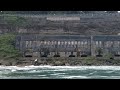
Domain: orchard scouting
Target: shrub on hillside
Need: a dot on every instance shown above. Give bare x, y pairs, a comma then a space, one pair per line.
7, 46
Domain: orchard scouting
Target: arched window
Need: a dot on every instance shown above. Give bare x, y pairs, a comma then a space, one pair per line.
41, 42
55, 42
58, 42
45, 42
96, 43
78, 42
65, 42
85, 42
52, 42
75, 42
100, 43
27, 44
62, 43
72, 42
30, 44
68, 42
82, 43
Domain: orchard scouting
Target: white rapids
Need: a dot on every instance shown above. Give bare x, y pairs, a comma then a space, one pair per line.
60, 72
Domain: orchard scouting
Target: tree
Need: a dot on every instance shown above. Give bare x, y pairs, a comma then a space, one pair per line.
99, 51
14, 22
7, 47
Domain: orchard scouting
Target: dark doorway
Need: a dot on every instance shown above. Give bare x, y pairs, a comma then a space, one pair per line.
43, 55
84, 55
117, 55
71, 55
56, 55
28, 55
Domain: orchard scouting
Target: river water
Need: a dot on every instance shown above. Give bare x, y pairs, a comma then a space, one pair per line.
60, 72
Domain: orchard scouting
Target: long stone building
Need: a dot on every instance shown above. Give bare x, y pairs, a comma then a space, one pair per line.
68, 45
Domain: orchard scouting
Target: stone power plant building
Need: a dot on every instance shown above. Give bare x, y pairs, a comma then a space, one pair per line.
68, 45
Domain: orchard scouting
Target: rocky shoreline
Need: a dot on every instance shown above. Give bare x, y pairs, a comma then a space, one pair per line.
58, 61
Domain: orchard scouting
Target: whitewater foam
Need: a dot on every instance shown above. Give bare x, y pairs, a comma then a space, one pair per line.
76, 77
77, 72
61, 67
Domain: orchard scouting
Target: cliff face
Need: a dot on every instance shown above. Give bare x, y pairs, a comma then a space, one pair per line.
86, 24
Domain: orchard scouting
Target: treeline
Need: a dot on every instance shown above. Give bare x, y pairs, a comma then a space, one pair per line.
55, 12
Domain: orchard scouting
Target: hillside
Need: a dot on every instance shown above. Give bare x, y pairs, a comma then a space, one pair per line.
89, 24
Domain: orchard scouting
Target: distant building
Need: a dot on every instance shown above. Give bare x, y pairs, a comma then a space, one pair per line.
65, 45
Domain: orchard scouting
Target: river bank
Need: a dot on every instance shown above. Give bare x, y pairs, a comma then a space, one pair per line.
58, 61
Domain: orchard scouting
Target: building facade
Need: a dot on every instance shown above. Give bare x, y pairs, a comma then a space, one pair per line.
68, 45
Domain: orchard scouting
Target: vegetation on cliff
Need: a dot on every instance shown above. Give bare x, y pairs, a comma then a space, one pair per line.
7, 46
91, 22
15, 22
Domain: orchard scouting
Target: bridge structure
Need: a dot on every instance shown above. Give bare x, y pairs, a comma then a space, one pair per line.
68, 45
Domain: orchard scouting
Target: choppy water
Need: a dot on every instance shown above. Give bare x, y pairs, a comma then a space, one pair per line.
60, 72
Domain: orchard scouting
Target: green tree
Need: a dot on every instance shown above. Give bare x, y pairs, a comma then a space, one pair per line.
7, 46
15, 22
99, 51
